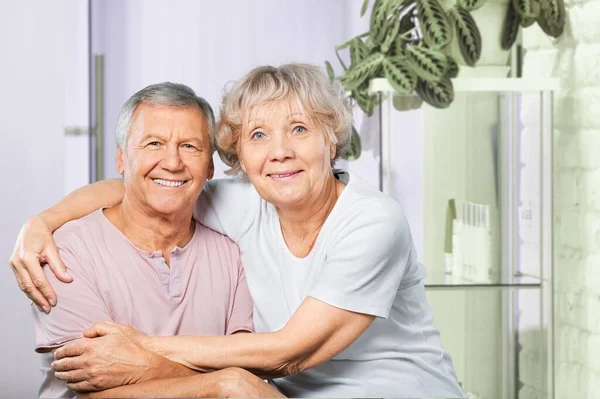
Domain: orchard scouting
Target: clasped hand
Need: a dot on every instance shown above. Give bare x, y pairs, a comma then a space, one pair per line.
109, 355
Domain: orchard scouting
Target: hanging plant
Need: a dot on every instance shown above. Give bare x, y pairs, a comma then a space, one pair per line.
408, 44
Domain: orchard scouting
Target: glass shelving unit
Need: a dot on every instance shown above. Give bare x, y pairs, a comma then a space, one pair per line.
484, 172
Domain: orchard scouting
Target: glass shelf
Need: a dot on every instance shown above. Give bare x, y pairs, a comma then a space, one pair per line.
518, 280
486, 286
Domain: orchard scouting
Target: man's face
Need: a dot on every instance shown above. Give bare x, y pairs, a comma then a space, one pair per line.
167, 158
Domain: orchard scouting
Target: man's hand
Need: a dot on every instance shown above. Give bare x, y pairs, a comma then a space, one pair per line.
35, 247
235, 382
113, 358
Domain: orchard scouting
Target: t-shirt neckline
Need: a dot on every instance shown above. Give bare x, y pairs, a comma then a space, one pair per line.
348, 180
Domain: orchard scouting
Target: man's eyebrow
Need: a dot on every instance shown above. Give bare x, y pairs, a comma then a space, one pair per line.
152, 135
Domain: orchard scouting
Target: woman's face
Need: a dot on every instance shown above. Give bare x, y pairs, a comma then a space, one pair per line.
285, 154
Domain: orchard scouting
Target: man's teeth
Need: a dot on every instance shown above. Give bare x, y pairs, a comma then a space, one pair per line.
168, 183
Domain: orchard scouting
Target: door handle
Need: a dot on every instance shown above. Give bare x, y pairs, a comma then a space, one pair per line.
97, 130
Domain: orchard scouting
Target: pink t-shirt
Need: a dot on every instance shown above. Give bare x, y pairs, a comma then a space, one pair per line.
204, 292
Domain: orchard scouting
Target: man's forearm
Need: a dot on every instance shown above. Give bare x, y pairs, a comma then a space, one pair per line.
83, 201
197, 386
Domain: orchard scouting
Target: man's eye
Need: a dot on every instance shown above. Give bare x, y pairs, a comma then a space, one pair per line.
258, 135
154, 143
189, 146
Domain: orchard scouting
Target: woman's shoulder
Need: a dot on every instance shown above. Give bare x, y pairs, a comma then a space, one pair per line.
362, 201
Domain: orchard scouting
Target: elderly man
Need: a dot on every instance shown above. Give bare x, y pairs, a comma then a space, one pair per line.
146, 262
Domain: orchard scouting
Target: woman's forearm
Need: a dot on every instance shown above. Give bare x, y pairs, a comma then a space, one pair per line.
268, 355
83, 201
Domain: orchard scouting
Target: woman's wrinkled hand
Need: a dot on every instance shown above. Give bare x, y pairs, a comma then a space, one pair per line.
34, 248
108, 356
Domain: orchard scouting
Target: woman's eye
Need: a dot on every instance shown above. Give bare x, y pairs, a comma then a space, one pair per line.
258, 135
299, 129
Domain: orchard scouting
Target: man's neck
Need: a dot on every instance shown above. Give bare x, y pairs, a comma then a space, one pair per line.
150, 231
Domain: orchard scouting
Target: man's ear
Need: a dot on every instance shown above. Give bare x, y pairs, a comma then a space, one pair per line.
211, 170
120, 161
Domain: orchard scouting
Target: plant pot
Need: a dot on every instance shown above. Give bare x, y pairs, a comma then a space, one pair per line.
490, 21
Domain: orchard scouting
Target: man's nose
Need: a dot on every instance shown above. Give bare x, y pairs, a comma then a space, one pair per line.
172, 158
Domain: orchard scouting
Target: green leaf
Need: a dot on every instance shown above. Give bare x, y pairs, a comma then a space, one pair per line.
330, 72
467, 33
358, 51
378, 26
510, 31
392, 33
399, 75
552, 17
470, 5
344, 45
405, 103
527, 22
361, 72
428, 64
355, 149
439, 94
435, 24
527, 8
365, 101
363, 9
453, 68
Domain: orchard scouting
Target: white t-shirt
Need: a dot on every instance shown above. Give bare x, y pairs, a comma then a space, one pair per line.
364, 261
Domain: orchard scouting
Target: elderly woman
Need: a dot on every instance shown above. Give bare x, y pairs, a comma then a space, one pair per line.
339, 303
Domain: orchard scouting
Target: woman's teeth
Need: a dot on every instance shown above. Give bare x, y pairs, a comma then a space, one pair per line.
168, 183
280, 176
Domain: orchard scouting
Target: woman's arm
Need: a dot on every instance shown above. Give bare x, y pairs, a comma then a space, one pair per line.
315, 333
357, 283
35, 245
83, 201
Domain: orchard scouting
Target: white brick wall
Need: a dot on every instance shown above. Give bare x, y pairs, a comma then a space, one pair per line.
575, 59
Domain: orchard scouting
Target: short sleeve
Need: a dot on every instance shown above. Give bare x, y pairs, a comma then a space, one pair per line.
79, 303
365, 263
240, 317
228, 206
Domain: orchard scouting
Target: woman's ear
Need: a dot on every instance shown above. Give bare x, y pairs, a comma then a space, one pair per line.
332, 151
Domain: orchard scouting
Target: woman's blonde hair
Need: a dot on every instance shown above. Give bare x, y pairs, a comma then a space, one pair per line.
307, 84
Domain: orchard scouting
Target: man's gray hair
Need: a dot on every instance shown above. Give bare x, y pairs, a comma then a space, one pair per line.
166, 94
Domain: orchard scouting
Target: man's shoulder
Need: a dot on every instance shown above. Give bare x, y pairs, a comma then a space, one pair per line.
214, 237
78, 230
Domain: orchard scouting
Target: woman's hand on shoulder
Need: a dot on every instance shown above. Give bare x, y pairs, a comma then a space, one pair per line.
34, 248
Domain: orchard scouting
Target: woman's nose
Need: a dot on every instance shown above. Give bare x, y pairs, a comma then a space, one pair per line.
281, 148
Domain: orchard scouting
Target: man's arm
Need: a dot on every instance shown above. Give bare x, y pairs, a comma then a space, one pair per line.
35, 245
219, 384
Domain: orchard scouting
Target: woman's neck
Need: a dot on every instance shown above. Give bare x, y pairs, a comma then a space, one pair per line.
301, 225
149, 231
